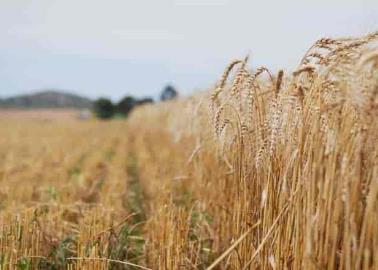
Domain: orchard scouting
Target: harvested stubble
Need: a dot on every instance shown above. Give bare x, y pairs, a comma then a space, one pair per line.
265, 172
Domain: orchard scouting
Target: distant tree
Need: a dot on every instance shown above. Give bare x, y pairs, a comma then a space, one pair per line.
169, 92
144, 100
126, 105
104, 108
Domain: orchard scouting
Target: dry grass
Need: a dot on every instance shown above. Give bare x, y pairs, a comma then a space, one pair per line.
265, 172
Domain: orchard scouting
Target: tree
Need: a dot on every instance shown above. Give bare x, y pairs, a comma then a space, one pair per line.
126, 105
144, 100
104, 108
169, 92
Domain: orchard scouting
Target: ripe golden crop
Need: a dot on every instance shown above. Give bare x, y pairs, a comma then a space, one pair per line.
265, 171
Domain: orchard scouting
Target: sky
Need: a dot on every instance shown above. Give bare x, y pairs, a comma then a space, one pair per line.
114, 48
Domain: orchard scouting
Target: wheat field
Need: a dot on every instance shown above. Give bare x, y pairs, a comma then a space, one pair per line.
263, 171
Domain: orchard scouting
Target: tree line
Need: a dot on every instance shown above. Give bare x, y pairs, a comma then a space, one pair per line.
104, 108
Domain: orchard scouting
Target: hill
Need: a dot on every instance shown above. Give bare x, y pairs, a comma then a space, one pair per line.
46, 99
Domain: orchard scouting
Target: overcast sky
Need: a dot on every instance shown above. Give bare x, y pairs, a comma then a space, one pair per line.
117, 47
